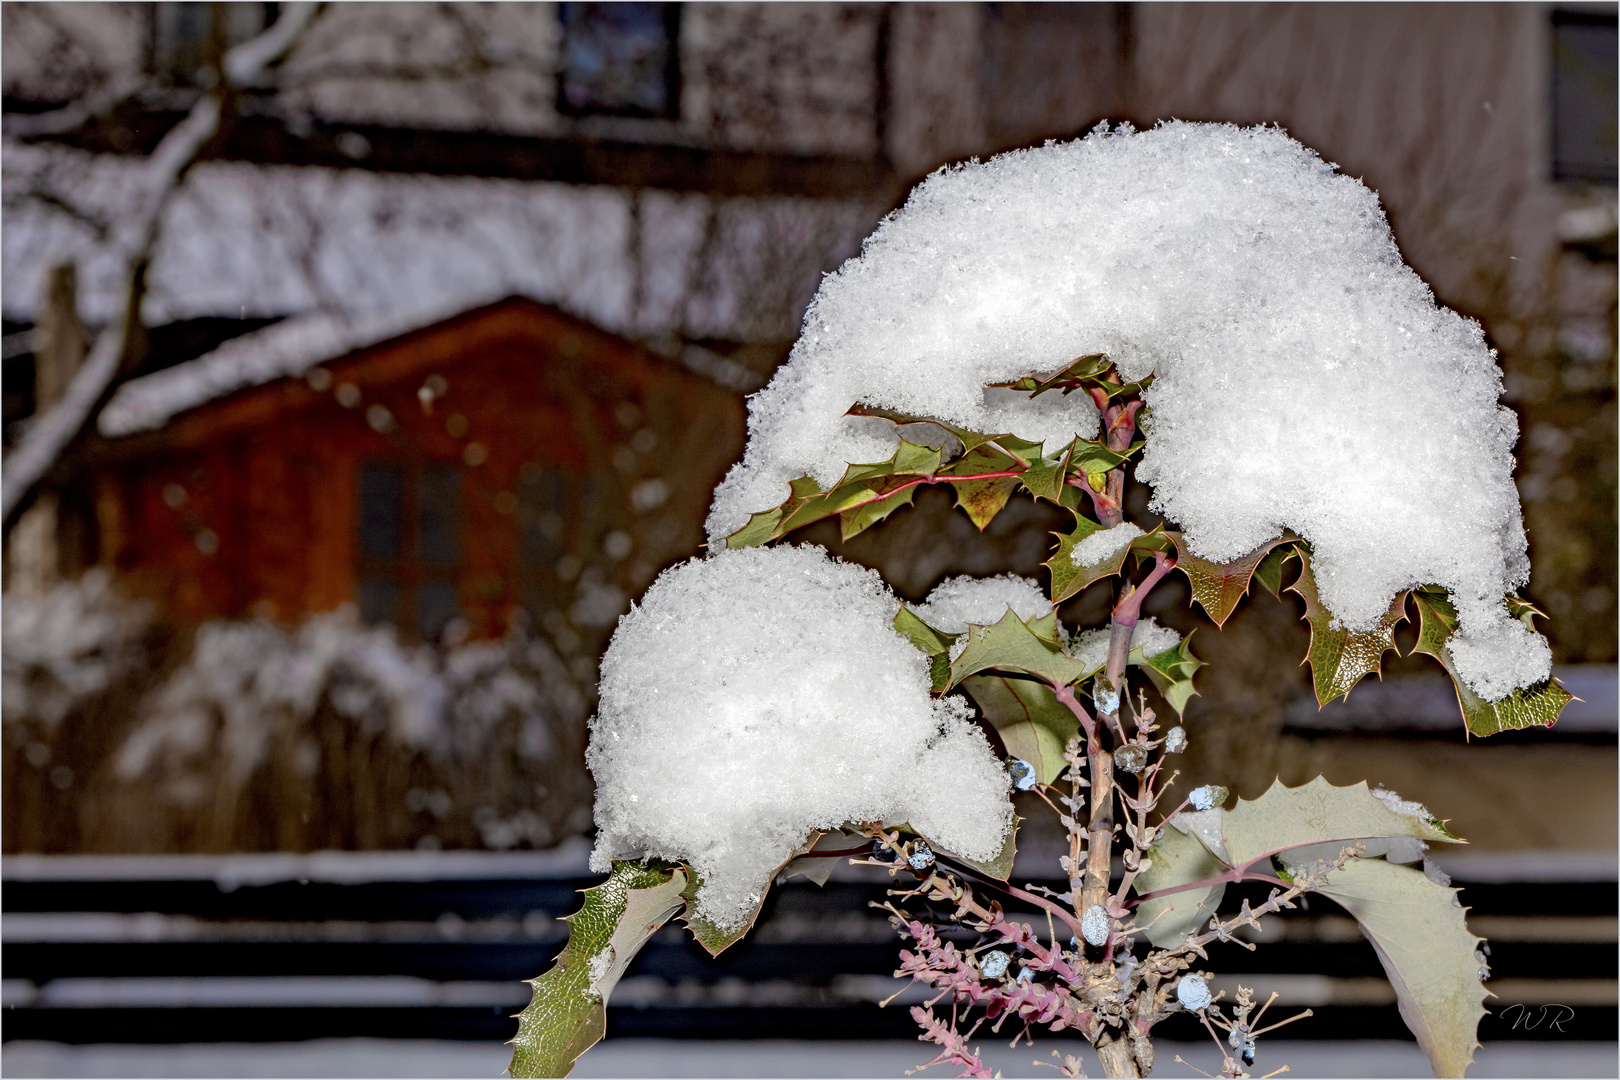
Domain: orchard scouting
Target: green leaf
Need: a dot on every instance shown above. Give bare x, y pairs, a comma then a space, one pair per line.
925, 637
568, 1014
1417, 928
1088, 457
984, 499
1178, 859
1084, 371
1270, 571
1219, 586
858, 520
1068, 579
1171, 671
887, 484
1033, 724
1011, 646
1526, 707
1044, 477
1316, 813
968, 439
1340, 658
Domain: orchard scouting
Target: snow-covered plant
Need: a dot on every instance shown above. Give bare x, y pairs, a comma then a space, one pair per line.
1214, 311
427, 729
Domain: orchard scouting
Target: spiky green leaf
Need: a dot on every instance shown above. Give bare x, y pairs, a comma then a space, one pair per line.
1270, 571
1317, 813
1526, 707
925, 637
1339, 657
1010, 646
568, 1014
1418, 930
1218, 587
1033, 724
1068, 578
1044, 477
1171, 672
1178, 859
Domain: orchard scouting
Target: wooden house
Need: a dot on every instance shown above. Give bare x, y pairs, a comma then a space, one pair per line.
508, 457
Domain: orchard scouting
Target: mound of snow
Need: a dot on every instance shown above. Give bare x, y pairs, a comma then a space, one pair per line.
758, 695
1307, 379
961, 601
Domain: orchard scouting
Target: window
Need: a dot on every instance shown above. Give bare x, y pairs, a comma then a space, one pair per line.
619, 60
186, 37
409, 545
1584, 92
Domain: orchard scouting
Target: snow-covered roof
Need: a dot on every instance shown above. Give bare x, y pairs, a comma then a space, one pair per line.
287, 348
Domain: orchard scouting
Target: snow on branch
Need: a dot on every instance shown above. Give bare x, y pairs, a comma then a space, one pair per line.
757, 696
1306, 378
110, 357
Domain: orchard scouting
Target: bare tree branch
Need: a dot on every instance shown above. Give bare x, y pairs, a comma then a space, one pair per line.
115, 351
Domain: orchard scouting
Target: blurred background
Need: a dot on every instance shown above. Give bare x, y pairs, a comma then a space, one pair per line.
364, 362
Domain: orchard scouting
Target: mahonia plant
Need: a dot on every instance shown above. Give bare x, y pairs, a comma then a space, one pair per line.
1109, 957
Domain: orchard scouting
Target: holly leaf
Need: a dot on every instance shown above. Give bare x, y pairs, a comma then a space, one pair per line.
1086, 370
984, 499
1219, 586
1033, 724
1178, 858
968, 439
1270, 571
1170, 671
1528, 706
1068, 578
855, 521
925, 637
717, 939
1096, 457
1044, 477
1417, 928
1010, 646
865, 495
1340, 658
1286, 818
568, 1013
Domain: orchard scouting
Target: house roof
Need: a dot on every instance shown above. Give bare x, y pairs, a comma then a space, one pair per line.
290, 348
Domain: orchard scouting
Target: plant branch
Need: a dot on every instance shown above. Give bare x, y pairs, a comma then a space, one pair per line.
118, 350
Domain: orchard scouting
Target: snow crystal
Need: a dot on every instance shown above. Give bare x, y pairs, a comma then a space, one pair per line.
1193, 993
961, 601
601, 964
1099, 547
1094, 925
758, 695
1402, 806
1306, 378
1090, 647
993, 965
1176, 740
1207, 797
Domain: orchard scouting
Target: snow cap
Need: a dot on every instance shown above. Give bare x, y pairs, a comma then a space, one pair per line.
758, 695
1306, 377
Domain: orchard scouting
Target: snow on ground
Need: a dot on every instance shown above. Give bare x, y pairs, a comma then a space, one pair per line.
757, 695
1306, 377
763, 1058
